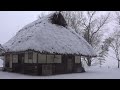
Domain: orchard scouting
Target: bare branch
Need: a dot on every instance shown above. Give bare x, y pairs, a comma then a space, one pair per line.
102, 23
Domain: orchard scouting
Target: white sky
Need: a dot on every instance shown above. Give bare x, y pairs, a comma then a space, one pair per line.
12, 21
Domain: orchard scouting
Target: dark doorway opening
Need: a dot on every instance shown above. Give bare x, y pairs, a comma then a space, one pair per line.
21, 58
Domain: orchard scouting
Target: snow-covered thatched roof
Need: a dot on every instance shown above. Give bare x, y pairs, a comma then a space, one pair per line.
52, 35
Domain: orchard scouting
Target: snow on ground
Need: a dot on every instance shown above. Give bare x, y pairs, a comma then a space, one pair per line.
91, 73
1, 63
108, 70
94, 72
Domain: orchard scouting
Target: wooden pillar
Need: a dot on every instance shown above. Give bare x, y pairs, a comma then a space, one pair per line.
80, 61
4, 64
10, 61
22, 63
53, 66
37, 64
46, 58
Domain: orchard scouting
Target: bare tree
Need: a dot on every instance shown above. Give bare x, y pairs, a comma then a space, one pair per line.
115, 36
104, 50
74, 19
115, 44
2, 50
89, 25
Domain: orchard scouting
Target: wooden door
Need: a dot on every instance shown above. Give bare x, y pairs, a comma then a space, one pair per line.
39, 67
69, 65
7, 61
21, 58
47, 69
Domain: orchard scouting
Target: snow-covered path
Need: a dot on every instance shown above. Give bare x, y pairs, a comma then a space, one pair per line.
92, 73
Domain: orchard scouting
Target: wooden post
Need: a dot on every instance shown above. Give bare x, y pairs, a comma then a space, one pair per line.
37, 63
53, 65
80, 61
12, 63
46, 58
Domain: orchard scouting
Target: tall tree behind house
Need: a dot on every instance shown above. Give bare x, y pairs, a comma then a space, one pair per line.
89, 25
1, 50
115, 38
115, 44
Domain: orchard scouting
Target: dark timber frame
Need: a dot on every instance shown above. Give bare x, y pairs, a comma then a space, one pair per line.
67, 65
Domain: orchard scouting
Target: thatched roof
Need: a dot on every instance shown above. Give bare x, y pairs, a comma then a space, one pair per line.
49, 34
58, 19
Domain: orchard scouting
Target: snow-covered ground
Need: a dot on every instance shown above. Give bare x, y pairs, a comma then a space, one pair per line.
109, 70
91, 73
1, 63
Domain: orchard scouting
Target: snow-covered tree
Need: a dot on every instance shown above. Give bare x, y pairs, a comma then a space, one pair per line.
115, 39
90, 25
104, 50
1, 49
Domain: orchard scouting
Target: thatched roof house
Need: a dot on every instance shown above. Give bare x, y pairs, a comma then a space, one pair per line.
49, 35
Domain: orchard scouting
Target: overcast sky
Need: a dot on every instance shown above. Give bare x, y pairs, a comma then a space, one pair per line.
12, 21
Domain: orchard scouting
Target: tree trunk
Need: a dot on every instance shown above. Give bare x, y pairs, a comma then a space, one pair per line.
89, 61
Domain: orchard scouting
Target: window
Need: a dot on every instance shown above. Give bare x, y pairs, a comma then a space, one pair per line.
41, 58
57, 59
77, 59
8, 57
30, 57
50, 58
15, 58
34, 57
